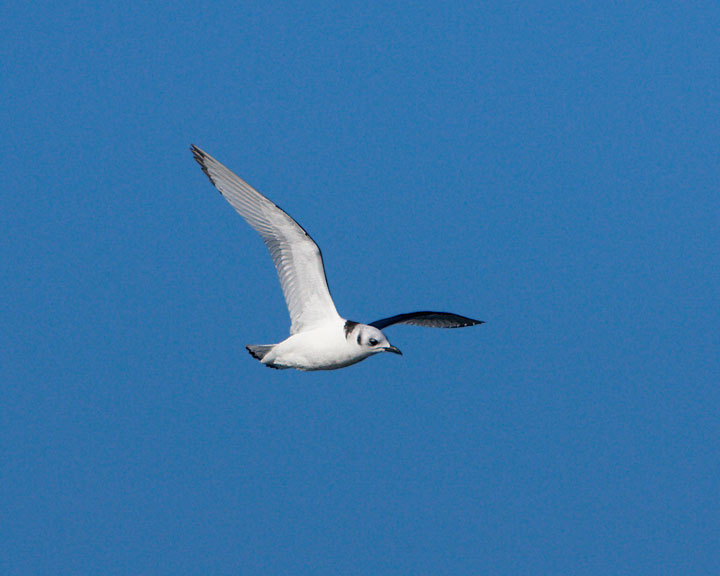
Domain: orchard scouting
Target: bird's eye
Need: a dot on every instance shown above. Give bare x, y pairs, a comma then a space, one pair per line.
372, 341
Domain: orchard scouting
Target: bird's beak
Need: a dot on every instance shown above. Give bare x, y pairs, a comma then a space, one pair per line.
392, 349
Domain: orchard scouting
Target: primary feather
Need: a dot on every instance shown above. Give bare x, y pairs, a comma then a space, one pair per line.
428, 320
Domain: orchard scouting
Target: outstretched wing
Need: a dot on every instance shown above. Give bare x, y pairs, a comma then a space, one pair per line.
296, 256
428, 320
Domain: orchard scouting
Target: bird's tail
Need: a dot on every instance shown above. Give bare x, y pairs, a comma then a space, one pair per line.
259, 351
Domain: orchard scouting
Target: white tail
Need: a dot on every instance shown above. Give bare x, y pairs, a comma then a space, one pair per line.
259, 351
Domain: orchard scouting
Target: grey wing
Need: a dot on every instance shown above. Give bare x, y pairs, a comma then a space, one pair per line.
428, 320
296, 256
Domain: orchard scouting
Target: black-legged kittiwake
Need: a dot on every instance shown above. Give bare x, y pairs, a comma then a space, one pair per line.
320, 339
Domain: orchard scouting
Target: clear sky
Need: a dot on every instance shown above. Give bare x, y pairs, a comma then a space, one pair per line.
550, 168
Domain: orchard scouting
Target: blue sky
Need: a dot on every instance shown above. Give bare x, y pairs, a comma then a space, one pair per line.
550, 169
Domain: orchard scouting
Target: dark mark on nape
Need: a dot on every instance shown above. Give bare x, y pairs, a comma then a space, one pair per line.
349, 327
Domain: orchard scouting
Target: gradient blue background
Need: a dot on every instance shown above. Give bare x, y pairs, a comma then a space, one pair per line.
552, 169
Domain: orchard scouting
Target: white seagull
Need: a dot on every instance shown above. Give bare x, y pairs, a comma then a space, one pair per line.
319, 338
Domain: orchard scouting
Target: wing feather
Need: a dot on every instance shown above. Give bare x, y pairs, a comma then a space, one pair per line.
428, 320
297, 258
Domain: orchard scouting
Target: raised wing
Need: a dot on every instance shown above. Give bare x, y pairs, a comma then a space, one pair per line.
296, 256
428, 320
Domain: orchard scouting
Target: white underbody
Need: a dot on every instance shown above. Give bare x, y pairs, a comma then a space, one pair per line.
323, 348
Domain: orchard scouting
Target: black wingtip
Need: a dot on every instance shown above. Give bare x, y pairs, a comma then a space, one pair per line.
200, 158
198, 154
467, 322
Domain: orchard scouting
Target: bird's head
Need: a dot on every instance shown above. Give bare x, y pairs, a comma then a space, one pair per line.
373, 340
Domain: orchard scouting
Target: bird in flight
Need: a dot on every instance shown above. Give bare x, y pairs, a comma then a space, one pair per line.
320, 339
